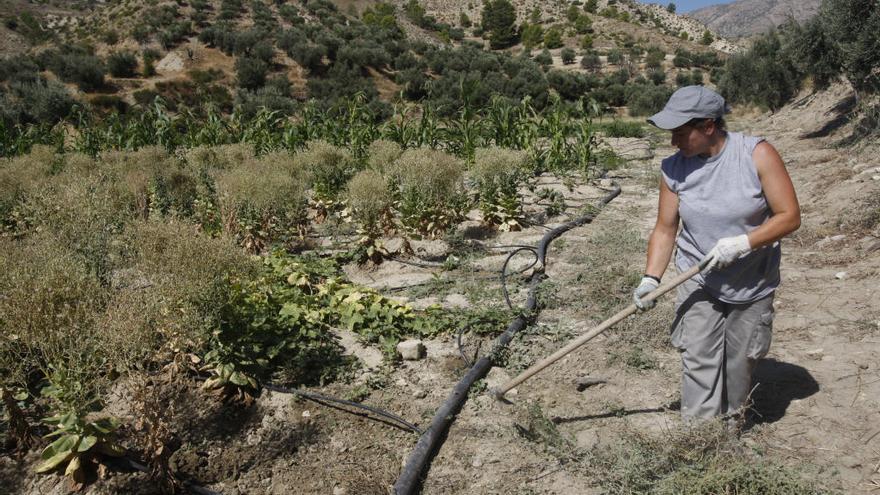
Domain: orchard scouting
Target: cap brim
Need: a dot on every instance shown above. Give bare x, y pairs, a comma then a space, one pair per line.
667, 120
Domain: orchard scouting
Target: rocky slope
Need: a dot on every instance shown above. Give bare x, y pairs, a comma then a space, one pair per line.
749, 17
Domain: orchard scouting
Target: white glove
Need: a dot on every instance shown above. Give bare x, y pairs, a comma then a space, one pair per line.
727, 251
646, 286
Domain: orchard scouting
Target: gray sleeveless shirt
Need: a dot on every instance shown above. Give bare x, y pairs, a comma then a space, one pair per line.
722, 197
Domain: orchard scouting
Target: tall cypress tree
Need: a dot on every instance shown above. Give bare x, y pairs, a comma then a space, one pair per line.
499, 20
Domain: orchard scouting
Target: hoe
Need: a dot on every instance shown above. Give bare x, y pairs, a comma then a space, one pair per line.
605, 325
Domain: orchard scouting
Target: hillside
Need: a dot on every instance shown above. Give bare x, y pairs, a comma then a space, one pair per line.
749, 17
238, 55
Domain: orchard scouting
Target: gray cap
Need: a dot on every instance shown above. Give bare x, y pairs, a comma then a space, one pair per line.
689, 102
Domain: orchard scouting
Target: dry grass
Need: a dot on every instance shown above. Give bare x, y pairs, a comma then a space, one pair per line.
699, 459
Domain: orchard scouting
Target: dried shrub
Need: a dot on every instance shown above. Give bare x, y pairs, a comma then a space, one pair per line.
262, 201
430, 190
331, 167
381, 154
498, 172
184, 277
702, 459
50, 301
218, 157
18, 178
369, 200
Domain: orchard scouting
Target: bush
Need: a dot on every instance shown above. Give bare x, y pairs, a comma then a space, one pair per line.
38, 102
369, 201
262, 201
567, 56
430, 190
498, 173
251, 72
591, 61
619, 128
82, 69
544, 58
331, 167
647, 99
760, 75
122, 64
552, 38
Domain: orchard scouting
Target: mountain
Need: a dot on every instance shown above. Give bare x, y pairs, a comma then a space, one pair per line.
749, 17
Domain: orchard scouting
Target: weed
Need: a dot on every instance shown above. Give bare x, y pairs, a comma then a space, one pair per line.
542, 432
634, 357
430, 191
697, 459
619, 128
498, 174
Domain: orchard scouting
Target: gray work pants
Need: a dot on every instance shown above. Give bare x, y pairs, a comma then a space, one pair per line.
720, 343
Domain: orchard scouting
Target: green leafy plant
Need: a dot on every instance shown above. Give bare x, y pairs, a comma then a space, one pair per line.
498, 174
79, 445
429, 192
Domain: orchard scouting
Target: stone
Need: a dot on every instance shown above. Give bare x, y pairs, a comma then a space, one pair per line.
840, 275
419, 394
432, 250
606, 183
411, 350
340, 490
496, 378
875, 177
395, 245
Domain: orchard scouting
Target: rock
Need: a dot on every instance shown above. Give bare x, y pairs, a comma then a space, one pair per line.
395, 245
340, 490
606, 183
815, 353
840, 275
419, 394
498, 377
477, 462
433, 250
456, 301
875, 177
411, 350
838, 237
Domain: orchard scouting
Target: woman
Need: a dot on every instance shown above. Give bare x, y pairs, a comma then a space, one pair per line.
735, 200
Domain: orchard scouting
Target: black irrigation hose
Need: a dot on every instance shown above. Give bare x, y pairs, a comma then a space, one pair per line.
429, 443
320, 398
510, 256
395, 420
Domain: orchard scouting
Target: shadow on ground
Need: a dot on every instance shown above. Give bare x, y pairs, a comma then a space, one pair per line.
778, 384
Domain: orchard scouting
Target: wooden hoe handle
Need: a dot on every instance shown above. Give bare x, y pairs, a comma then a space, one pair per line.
605, 325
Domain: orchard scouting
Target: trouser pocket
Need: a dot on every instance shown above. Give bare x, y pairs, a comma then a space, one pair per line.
759, 344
